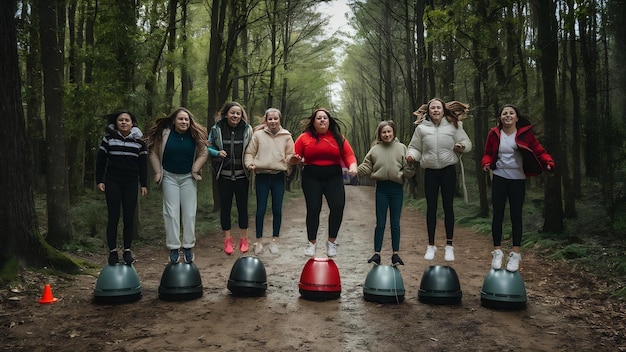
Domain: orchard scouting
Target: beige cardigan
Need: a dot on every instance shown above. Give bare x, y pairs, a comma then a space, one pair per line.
200, 157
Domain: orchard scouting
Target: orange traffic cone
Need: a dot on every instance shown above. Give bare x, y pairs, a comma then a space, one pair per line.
46, 297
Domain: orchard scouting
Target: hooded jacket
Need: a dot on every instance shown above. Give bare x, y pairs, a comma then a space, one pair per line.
433, 146
534, 158
269, 152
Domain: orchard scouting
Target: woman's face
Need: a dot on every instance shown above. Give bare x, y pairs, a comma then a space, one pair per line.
508, 117
386, 134
273, 121
124, 123
435, 110
234, 115
181, 122
321, 122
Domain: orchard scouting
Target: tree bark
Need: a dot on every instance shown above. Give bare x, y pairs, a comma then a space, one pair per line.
57, 200
547, 43
20, 238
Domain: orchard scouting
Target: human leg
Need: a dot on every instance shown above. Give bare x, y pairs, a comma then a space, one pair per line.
312, 189
171, 210
277, 187
262, 185
189, 205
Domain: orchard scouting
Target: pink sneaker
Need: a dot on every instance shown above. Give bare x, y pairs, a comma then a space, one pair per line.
228, 246
243, 245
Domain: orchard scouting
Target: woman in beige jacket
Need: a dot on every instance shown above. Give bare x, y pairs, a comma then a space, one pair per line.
267, 156
178, 150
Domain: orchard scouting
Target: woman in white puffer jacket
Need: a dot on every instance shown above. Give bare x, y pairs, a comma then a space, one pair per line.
436, 143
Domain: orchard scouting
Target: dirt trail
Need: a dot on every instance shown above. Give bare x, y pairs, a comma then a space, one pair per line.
561, 314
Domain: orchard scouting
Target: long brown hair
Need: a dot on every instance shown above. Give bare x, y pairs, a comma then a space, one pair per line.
154, 135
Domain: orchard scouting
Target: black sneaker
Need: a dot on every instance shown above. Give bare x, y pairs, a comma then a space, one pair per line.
174, 254
128, 258
375, 259
395, 260
188, 255
113, 258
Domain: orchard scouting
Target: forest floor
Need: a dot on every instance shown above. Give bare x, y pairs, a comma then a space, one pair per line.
567, 308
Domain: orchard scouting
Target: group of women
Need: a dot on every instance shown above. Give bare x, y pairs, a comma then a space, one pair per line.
178, 147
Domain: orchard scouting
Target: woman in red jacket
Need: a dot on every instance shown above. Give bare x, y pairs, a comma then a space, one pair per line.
512, 153
322, 148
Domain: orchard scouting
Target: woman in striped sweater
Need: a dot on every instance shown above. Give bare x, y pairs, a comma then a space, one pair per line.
121, 165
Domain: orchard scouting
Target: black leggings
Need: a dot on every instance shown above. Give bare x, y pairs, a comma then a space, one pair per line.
121, 194
228, 188
515, 191
434, 179
327, 181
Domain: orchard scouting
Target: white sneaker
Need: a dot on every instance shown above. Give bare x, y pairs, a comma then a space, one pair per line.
258, 248
513, 264
274, 247
449, 256
331, 248
430, 252
496, 262
310, 250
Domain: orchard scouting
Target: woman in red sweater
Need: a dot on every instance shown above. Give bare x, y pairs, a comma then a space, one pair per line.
322, 148
512, 153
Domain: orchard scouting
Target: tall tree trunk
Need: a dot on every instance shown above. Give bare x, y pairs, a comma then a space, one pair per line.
576, 185
185, 79
547, 43
21, 241
33, 95
57, 200
171, 49
588, 54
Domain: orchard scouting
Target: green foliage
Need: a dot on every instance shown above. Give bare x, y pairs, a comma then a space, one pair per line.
572, 251
9, 270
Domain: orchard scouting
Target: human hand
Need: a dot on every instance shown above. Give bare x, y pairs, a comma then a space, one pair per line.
296, 158
144, 191
487, 167
251, 167
410, 159
101, 187
353, 171
459, 147
157, 178
223, 154
196, 176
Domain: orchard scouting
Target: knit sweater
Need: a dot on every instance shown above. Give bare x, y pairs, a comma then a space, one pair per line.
324, 152
121, 157
269, 152
386, 162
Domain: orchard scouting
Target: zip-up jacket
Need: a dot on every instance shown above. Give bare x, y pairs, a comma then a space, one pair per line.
535, 159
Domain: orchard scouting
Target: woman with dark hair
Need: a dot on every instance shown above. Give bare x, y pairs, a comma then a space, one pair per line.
228, 140
436, 144
512, 152
121, 165
322, 148
177, 145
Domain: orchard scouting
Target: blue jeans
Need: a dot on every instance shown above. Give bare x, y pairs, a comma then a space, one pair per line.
389, 195
266, 183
